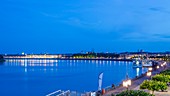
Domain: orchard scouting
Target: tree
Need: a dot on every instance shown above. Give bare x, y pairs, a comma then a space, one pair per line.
1, 57
162, 86
161, 78
166, 72
144, 85
150, 85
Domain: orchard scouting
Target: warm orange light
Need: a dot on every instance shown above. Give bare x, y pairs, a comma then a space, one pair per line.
150, 69
127, 83
149, 74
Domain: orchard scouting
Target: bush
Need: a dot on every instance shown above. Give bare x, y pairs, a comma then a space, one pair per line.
134, 93
161, 78
150, 85
166, 72
162, 86
144, 85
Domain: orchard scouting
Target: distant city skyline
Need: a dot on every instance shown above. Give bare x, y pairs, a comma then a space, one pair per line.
62, 26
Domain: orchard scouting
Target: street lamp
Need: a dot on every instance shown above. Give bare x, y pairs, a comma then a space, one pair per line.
127, 82
149, 74
150, 69
157, 67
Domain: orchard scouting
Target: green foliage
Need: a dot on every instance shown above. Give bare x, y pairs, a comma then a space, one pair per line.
161, 78
162, 86
153, 86
144, 85
166, 72
150, 85
1, 58
134, 93
94, 55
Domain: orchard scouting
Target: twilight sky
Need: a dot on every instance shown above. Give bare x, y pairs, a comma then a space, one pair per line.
65, 26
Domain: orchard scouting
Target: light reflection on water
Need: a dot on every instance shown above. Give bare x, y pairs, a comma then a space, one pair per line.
43, 76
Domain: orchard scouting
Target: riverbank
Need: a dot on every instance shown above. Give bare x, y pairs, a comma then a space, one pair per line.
1, 58
101, 59
135, 82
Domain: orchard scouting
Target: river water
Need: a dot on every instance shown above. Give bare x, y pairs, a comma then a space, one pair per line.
39, 77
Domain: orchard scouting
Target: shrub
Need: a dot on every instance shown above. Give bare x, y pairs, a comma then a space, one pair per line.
161, 78
150, 85
134, 93
166, 72
144, 85
162, 86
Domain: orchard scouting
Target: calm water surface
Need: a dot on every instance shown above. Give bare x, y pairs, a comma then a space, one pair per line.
38, 77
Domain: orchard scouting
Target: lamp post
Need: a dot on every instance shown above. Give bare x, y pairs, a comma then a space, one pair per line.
149, 74
127, 82
150, 69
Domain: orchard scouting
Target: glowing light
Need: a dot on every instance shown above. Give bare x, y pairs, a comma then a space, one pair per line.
25, 70
150, 69
107, 62
127, 83
149, 74
137, 70
157, 67
100, 62
23, 53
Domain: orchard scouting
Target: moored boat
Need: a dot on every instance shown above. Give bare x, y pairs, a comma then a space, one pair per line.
147, 63
137, 64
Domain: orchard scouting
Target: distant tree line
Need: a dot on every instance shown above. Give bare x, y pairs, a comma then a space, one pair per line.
96, 55
1, 57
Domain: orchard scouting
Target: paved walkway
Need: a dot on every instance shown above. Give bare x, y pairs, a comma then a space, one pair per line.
135, 85
163, 93
158, 93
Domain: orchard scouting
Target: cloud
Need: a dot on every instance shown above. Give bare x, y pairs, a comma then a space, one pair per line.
138, 36
134, 36
154, 9
162, 36
159, 9
49, 15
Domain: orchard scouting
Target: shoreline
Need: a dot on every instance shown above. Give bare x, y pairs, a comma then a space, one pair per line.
135, 82
101, 59
2, 60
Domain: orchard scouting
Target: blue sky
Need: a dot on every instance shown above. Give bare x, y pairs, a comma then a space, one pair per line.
65, 26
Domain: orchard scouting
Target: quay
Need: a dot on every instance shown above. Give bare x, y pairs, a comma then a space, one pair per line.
95, 59
63, 57
136, 83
